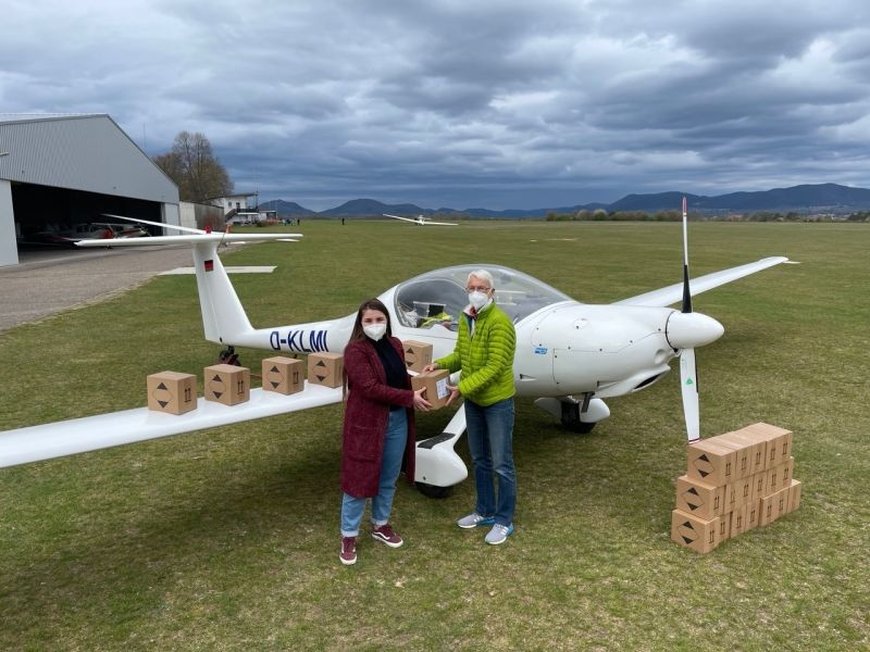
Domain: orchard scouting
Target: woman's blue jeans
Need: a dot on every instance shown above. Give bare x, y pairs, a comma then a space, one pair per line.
490, 440
352, 508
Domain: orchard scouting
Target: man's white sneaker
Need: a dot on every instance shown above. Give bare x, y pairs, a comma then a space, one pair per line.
499, 534
474, 520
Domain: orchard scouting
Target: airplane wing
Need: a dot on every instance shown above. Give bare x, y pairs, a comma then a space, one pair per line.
442, 224
674, 293
404, 219
50, 440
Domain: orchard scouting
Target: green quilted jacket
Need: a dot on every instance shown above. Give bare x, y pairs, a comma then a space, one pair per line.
487, 359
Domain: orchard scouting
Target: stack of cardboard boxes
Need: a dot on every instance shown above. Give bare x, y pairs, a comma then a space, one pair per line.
734, 482
176, 393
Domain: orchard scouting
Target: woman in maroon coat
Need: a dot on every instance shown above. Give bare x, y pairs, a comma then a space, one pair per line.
378, 436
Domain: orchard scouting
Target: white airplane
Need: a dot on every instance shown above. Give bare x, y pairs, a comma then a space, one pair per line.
570, 356
421, 220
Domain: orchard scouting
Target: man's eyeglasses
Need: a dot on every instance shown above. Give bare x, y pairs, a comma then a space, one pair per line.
477, 288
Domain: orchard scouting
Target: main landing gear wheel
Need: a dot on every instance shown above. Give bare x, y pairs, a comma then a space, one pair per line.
433, 491
578, 427
571, 419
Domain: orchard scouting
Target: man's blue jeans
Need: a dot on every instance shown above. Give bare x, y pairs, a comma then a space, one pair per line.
490, 440
352, 508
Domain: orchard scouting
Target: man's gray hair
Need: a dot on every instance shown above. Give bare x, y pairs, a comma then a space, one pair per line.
483, 275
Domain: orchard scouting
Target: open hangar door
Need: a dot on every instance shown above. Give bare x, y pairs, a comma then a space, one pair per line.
58, 171
41, 212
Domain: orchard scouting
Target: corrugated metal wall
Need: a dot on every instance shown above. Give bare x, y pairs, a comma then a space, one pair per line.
89, 153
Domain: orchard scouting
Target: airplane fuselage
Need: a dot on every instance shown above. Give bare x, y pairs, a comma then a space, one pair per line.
564, 349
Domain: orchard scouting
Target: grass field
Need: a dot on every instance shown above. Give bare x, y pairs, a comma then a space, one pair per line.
228, 539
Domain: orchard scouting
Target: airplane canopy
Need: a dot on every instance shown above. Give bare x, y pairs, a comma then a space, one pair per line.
439, 296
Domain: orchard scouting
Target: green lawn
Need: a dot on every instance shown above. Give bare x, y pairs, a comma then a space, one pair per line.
227, 539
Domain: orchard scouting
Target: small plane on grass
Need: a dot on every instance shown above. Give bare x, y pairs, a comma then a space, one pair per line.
421, 220
570, 356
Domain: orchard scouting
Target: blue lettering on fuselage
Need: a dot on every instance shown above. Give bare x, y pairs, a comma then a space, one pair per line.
297, 340
317, 340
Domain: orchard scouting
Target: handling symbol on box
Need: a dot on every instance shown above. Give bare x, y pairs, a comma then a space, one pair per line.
162, 395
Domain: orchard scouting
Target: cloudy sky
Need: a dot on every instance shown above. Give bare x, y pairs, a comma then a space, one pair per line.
465, 103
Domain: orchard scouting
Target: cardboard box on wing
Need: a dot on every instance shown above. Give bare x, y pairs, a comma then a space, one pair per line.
326, 369
734, 482
417, 355
227, 384
176, 393
283, 375
172, 392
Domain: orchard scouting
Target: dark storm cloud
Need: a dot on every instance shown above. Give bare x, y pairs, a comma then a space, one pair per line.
494, 104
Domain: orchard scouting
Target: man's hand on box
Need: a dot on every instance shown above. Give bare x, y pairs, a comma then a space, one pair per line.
454, 394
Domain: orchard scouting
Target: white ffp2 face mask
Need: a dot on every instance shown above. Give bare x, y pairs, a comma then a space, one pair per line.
477, 299
375, 331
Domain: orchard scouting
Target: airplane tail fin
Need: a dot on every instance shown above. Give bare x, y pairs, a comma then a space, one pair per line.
223, 316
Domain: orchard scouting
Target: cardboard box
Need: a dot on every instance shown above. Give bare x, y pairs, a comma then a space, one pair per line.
227, 384
739, 520
711, 462
773, 506
417, 354
779, 477
435, 383
756, 449
794, 495
700, 498
778, 442
283, 375
759, 484
740, 492
781, 504
724, 528
701, 535
326, 369
172, 392
753, 513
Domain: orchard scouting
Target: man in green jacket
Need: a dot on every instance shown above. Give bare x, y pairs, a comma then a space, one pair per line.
484, 351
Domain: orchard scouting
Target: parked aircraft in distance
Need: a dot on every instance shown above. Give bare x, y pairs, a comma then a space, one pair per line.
421, 220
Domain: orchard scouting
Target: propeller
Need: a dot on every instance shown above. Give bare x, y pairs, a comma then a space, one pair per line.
688, 368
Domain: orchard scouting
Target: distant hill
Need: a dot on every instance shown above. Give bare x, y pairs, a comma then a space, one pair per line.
373, 207
823, 197
807, 198
285, 208
662, 201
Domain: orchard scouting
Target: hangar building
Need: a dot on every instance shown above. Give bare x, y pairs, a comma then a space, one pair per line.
57, 171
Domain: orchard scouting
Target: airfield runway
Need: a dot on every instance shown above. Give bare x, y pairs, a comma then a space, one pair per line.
48, 281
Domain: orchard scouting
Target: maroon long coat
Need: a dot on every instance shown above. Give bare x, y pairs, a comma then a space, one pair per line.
366, 415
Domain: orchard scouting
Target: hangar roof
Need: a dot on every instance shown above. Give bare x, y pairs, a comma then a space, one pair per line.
87, 152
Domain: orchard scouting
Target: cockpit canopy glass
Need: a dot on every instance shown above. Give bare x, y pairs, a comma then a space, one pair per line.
438, 297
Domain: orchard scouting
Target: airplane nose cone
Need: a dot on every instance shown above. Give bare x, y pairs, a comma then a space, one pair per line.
688, 330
